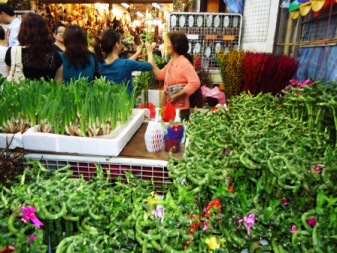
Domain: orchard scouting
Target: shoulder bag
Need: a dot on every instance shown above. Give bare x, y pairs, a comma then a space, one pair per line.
16, 73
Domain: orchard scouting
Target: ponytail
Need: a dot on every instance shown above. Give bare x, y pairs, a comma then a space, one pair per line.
189, 58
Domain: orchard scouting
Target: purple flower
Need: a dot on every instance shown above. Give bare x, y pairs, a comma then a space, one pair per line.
312, 221
159, 212
285, 201
293, 229
32, 238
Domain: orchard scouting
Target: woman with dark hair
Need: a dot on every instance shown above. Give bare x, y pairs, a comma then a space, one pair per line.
58, 33
39, 58
95, 48
116, 69
78, 61
179, 75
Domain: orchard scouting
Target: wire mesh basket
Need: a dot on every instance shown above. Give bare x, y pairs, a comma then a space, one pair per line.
86, 166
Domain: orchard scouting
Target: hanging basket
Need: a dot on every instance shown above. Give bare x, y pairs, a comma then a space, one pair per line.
305, 8
317, 4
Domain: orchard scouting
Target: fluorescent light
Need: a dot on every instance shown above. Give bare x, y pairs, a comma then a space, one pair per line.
155, 5
125, 5
140, 14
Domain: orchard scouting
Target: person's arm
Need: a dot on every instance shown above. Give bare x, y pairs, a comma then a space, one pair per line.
59, 75
155, 69
138, 53
193, 82
8, 60
59, 64
13, 37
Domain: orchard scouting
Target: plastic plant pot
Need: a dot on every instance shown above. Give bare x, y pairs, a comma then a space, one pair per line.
172, 144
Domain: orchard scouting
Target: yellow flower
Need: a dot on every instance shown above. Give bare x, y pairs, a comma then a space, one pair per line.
212, 243
153, 201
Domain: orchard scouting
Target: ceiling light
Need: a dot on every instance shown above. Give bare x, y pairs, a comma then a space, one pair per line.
140, 14
155, 5
125, 5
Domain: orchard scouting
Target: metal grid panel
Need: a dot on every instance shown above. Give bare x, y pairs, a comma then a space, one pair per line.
208, 33
146, 170
256, 23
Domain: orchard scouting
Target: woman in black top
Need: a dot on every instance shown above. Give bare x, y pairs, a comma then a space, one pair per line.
58, 33
39, 57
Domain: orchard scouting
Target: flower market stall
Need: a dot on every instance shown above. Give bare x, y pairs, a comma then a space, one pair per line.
257, 177
256, 171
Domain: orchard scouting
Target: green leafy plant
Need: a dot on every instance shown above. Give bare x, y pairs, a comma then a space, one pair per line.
79, 108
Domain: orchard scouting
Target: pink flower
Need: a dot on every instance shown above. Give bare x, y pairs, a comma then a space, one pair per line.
206, 226
317, 170
159, 212
306, 82
32, 238
249, 221
29, 214
293, 82
293, 229
312, 221
285, 201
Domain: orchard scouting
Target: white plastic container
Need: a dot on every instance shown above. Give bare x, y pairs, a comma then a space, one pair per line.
109, 145
15, 140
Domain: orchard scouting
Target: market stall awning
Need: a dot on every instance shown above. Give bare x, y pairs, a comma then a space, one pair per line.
105, 1
303, 7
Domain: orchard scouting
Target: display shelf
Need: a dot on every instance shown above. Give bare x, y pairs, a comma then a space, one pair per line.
208, 33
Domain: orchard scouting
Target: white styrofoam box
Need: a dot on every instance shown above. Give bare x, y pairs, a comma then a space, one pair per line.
15, 140
109, 145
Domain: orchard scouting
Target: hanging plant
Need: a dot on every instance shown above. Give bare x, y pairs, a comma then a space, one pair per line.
20, 4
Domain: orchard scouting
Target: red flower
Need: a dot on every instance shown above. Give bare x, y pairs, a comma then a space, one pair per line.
231, 189
213, 204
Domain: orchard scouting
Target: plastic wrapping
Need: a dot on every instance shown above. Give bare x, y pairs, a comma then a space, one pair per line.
154, 135
234, 6
214, 93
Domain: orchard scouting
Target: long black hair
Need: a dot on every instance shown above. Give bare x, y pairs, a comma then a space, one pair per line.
76, 44
109, 40
179, 43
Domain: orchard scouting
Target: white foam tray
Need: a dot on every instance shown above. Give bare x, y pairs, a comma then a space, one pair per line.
5, 139
108, 146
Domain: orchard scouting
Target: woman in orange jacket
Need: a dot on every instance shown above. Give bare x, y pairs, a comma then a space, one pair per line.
179, 75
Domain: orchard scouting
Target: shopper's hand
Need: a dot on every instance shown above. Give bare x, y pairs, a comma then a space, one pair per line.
174, 98
149, 47
139, 49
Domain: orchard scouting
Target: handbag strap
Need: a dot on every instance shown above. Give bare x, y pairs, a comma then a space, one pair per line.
13, 57
16, 55
18, 59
